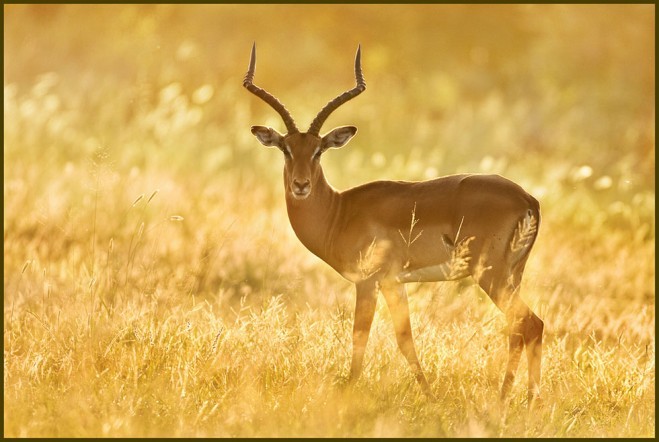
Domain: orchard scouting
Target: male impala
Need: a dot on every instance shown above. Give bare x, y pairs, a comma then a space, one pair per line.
383, 234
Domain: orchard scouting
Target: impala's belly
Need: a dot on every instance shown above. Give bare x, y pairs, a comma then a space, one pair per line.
446, 271
425, 254
440, 258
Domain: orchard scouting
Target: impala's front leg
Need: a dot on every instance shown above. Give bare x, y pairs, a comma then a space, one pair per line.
396, 297
364, 312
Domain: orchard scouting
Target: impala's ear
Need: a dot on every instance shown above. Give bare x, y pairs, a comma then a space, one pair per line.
268, 136
338, 137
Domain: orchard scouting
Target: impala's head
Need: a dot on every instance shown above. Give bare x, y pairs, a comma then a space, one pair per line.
302, 151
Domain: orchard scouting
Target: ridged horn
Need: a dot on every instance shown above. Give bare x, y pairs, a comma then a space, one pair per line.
330, 107
267, 97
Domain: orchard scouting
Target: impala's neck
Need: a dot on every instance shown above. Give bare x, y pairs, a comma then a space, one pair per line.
313, 218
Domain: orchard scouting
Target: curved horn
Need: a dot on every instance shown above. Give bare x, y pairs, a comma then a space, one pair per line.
338, 101
265, 96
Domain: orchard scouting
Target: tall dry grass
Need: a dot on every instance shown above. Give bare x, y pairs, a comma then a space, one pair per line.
153, 286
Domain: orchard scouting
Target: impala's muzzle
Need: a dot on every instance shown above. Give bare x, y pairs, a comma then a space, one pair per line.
300, 188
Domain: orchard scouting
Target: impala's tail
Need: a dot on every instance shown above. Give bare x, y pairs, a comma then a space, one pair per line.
524, 236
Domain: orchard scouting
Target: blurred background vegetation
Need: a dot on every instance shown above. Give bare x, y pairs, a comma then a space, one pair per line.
546, 88
560, 97
132, 181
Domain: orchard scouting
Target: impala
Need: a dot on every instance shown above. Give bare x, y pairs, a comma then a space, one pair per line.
383, 234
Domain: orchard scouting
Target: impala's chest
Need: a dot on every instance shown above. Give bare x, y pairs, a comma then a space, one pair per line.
313, 221
310, 235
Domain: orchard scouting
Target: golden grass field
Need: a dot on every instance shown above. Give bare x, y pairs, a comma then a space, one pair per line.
154, 287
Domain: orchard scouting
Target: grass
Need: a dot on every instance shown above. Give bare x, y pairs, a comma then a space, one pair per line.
154, 287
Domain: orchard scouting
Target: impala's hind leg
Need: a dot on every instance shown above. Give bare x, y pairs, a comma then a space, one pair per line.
396, 297
525, 329
534, 356
364, 311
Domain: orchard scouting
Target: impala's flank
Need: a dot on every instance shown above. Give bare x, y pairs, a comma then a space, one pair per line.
383, 234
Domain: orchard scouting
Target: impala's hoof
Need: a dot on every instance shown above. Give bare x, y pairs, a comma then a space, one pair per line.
431, 397
536, 403
427, 391
342, 381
